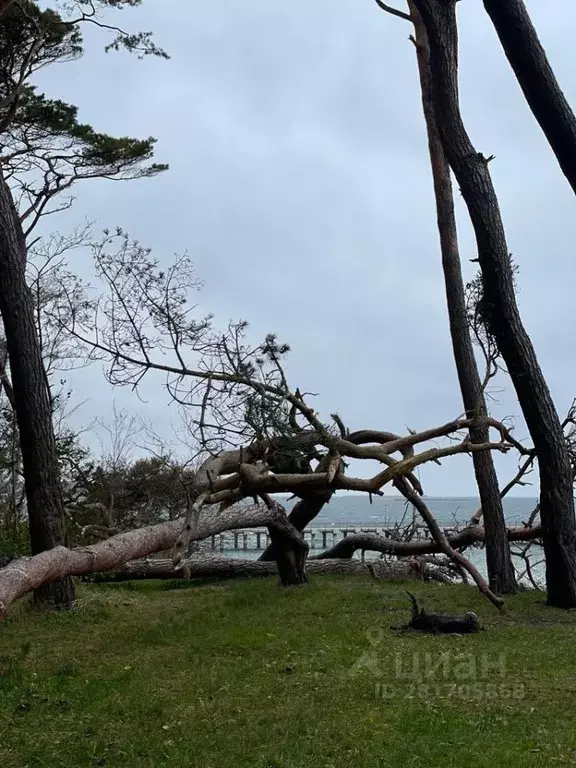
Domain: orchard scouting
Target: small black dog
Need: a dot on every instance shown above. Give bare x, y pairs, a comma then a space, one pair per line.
445, 623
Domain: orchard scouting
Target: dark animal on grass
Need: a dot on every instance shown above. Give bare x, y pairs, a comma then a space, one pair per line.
444, 623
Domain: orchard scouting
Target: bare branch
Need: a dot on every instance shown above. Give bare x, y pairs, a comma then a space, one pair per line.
393, 11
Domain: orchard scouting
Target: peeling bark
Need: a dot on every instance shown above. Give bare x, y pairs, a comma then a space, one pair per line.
27, 573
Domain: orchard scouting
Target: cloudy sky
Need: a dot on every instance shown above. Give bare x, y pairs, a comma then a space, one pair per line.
299, 183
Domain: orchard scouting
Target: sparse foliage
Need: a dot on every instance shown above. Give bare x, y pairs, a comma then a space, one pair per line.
45, 148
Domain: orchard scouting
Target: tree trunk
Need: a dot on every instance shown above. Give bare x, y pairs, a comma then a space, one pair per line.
233, 568
505, 323
290, 552
306, 510
20, 576
32, 402
501, 575
537, 80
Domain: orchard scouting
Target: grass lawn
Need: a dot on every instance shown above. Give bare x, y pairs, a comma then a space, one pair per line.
241, 673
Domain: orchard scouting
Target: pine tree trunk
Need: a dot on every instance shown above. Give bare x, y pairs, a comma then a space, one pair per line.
501, 574
32, 401
290, 553
537, 80
306, 510
503, 316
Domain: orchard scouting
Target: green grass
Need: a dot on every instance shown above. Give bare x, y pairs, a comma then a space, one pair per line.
243, 674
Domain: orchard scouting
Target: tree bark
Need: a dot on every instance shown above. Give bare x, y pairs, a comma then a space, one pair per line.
32, 402
528, 59
233, 568
290, 551
501, 575
21, 576
503, 316
305, 510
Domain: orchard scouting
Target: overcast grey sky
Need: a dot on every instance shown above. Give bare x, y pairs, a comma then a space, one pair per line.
299, 183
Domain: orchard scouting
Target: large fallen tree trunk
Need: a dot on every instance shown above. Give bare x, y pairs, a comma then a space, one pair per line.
24, 574
27, 573
225, 480
226, 568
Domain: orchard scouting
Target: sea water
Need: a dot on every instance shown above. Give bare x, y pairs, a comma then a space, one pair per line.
352, 510
356, 510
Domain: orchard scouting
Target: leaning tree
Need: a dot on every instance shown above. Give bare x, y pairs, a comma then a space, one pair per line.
499, 305
536, 77
437, 47
498, 558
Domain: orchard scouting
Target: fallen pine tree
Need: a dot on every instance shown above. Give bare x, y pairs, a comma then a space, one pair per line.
280, 446
27, 573
118, 553
255, 437
226, 568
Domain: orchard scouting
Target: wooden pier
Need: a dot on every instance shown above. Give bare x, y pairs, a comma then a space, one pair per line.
257, 540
